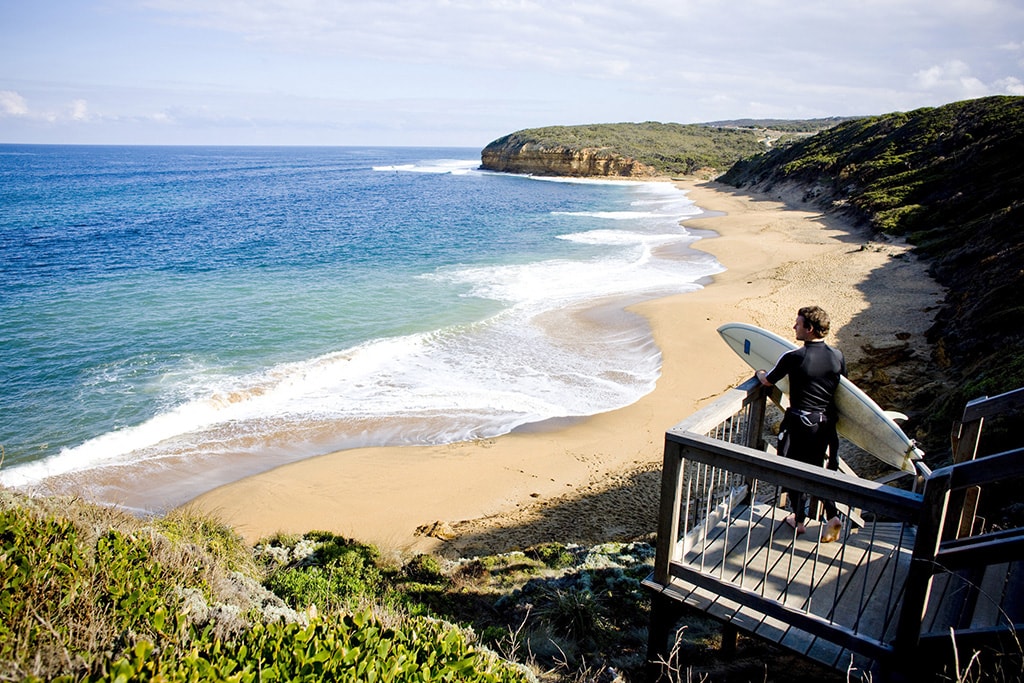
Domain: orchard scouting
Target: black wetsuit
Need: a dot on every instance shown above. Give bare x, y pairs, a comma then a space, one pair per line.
808, 430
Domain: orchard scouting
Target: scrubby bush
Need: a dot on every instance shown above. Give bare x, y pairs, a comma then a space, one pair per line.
554, 555
424, 569
94, 595
328, 571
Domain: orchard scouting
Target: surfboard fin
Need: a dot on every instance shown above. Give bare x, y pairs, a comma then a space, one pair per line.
913, 454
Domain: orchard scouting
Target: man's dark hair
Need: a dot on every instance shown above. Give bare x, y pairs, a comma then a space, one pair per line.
815, 318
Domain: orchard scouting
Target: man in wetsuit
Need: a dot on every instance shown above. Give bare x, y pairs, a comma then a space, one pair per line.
808, 429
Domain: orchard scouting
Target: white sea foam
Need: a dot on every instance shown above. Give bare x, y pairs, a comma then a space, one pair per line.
452, 166
626, 237
611, 215
452, 384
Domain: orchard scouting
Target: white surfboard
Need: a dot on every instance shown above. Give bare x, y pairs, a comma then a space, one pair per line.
861, 420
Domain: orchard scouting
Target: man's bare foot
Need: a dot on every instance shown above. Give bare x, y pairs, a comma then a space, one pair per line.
832, 531
791, 521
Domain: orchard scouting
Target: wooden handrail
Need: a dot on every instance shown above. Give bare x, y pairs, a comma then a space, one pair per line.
719, 410
814, 480
986, 406
1002, 466
991, 548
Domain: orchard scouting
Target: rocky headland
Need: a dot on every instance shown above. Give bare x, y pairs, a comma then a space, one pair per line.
516, 156
633, 150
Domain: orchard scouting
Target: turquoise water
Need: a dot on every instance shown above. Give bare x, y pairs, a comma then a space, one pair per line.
178, 317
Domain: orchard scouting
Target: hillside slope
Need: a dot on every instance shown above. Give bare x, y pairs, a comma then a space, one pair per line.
950, 179
634, 149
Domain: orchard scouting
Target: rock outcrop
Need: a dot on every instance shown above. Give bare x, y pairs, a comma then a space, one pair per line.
511, 155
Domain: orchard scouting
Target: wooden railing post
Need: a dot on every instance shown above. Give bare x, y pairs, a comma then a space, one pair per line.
668, 516
922, 567
964, 504
664, 610
758, 410
965, 438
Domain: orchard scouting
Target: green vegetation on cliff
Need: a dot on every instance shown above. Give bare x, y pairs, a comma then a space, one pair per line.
668, 148
91, 594
951, 180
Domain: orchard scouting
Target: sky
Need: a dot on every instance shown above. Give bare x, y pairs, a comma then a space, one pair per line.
465, 72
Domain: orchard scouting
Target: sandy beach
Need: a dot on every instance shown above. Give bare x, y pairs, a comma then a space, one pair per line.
597, 479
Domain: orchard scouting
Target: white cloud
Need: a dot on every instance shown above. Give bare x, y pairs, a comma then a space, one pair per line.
80, 110
322, 69
12, 104
954, 79
1010, 86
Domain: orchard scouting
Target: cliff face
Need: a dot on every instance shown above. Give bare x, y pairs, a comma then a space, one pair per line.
509, 155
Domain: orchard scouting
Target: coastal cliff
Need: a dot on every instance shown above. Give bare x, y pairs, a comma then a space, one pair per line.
513, 154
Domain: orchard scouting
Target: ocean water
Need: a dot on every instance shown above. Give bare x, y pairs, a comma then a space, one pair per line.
173, 318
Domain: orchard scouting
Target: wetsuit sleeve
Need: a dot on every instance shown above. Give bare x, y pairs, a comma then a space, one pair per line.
783, 367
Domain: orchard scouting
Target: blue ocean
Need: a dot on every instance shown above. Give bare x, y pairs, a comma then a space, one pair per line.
174, 318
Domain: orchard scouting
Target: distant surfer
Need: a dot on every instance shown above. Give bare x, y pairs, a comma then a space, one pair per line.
808, 429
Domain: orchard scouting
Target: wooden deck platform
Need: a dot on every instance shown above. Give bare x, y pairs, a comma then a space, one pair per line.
851, 585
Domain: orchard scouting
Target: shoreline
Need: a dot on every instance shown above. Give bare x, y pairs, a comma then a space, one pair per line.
597, 478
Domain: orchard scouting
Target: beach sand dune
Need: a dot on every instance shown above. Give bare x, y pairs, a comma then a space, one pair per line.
598, 479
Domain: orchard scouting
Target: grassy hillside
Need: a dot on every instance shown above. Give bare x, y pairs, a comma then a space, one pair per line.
671, 148
950, 179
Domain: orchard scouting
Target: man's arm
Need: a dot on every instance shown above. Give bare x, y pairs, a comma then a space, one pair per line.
786, 363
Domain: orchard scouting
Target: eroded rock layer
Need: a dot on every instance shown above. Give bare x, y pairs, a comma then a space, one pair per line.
510, 156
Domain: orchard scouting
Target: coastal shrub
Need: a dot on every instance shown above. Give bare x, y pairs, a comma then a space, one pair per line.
815, 164
424, 569
66, 598
352, 647
209, 535
898, 220
573, 612
94, 596
131, 586
554, 555
44, 577
328, 571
